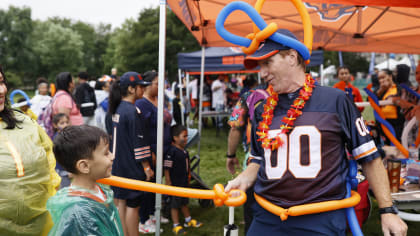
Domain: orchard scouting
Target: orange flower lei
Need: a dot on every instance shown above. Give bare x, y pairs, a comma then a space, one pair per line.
294, 112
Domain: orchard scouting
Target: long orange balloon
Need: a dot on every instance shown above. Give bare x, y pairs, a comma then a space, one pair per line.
217, 194
310, 208
387, 132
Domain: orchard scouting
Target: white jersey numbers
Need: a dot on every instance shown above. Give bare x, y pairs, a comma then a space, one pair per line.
276, 165
361, 127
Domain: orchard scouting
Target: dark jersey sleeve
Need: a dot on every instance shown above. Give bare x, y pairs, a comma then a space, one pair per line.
168, 161
356, 135
256, 154
140, 136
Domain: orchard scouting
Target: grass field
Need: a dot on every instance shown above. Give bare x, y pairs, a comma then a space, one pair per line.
213, 170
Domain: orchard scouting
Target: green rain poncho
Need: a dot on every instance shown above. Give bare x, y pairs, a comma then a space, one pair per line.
27, 178
77, 211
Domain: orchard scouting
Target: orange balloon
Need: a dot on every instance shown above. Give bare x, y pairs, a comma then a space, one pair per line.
387, 132
310, 208
217, 194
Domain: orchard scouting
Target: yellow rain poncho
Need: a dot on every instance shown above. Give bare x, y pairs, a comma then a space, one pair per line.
27, 178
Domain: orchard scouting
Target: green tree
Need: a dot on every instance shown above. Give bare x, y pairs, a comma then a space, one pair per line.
353, 60
15, 45
136, 45
58, 49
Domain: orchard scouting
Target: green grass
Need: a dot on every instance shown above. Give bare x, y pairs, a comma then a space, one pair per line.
213, 170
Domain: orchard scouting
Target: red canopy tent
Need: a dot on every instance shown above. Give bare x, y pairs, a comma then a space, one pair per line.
338, 25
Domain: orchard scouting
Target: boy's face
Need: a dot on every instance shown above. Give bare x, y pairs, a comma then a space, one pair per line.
24, 108
181, 139
62, 123
101, 162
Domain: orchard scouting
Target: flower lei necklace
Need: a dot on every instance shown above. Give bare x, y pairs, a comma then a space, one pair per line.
294, 112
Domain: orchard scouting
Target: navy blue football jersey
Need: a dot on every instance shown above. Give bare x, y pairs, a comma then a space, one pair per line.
177, 161
312, 164
132, 145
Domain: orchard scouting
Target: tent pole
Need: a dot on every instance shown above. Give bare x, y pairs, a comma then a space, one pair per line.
259, 77
321, 76
188, 100
161, 79
200, 102
181, 97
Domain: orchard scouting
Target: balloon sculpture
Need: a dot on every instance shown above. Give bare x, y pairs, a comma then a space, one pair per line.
386, 127
18, 91
250, 44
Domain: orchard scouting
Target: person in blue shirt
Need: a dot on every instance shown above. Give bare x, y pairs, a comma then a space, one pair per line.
130, 145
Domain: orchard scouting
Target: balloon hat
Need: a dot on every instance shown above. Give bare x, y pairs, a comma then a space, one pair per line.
262, 31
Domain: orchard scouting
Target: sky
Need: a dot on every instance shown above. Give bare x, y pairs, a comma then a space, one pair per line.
89, 11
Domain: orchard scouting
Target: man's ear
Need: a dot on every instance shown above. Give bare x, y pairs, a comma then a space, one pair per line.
293, 55
82, 166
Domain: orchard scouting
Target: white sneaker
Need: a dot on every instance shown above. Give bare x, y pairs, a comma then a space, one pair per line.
146, 229
163, 220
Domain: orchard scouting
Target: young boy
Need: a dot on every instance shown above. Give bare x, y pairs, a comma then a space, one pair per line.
25, 109
84, 208
177, 173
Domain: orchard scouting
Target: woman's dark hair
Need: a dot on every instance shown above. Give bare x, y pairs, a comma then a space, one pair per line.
403, 74
116, 93
63, 80
74, 143
149, 76
7, 114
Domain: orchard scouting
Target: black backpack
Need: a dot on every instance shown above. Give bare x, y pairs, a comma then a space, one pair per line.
86, 99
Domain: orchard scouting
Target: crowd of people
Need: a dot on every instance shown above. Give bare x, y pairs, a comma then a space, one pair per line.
96, 128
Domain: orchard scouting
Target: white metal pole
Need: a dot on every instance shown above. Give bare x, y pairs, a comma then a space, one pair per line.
321, 74
161, 96
259, 77
181, 96
200, 102
188, 100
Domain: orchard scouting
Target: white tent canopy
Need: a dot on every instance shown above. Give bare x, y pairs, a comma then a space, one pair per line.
388, 64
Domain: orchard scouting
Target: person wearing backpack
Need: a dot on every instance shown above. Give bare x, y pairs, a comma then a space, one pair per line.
86, 99
63, 101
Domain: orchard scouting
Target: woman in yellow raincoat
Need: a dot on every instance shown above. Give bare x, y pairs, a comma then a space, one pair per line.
27, 175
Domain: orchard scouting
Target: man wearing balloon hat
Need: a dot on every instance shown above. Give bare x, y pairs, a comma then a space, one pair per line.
298, 146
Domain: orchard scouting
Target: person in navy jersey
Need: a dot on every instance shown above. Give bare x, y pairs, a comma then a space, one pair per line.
148, 105
311, 166
130, 145
177, 173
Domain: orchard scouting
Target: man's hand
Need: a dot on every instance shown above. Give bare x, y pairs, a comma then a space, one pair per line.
232, 164
245, 180
393, 225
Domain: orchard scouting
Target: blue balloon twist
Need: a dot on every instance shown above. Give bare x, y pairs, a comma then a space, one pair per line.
260, 23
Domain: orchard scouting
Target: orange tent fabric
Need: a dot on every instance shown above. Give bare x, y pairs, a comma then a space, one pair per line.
339, 25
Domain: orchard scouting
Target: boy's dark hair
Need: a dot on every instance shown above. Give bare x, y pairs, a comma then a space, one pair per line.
74, 143
177, 130
83, 75
149, 76
57, 117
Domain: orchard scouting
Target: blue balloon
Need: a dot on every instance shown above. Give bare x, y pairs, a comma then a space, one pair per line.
260, 23
18, 91
404, 86
377, 117
351, 216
